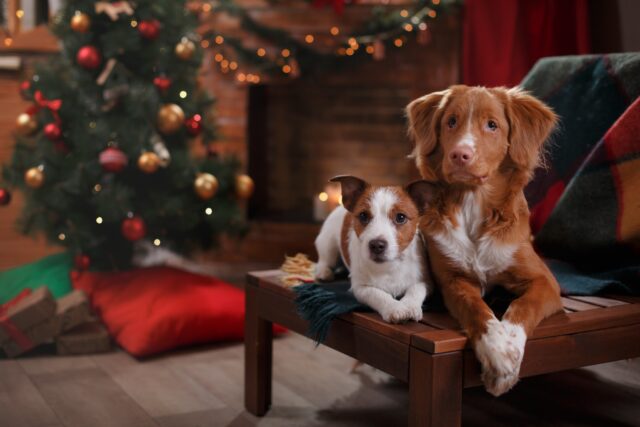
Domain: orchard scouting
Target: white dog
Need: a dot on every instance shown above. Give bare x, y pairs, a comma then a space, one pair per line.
376, 233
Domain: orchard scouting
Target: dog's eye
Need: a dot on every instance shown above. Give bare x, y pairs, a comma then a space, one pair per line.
401, 218
452, 122
492, 125
364, 217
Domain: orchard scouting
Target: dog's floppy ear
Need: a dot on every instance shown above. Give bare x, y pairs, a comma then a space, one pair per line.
424, 116
352, 189
422, 193
530, 124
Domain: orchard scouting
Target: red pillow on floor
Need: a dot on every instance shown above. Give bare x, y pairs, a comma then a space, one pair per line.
156, 309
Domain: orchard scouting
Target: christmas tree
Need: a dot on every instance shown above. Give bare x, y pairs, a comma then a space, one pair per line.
103, 152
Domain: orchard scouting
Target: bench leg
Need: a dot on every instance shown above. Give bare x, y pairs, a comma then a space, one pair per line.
435, 389
258, 353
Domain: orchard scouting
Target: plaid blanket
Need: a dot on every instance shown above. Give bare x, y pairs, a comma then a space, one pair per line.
586, 205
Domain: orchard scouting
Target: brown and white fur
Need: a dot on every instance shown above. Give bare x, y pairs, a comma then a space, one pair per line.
479, 146
376, 233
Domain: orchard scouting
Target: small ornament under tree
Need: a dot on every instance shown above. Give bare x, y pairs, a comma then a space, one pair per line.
134, 228
185, 49
244, 186
205, 185
89, 57
80, 22
112, 159
170, 118
34, 177
194, 124
149, 30
82, 262
5, 196
26, 124
148, 162
162, 83
52, 131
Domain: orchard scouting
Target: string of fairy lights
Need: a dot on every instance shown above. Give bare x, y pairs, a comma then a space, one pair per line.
281, 53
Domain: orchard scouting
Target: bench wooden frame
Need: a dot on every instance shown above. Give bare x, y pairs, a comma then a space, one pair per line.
433, 356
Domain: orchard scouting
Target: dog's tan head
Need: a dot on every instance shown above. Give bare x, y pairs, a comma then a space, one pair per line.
465, 135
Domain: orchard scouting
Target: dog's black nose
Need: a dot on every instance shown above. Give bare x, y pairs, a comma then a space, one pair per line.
377, 246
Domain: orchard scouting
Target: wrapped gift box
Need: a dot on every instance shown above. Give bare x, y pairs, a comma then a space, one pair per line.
91, 337
27, 321
35, 318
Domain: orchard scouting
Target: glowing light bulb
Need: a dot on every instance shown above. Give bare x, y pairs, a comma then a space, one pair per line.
323, 197
61, 236
309, 38
285, 53
219, 40
157, 242
208, 211
183, 94
334, 31
99, 220
261, 52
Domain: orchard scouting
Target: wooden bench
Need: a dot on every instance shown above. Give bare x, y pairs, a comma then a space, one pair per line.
433, 356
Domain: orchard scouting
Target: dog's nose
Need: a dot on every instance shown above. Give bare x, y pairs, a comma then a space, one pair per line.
377, 246
461, 156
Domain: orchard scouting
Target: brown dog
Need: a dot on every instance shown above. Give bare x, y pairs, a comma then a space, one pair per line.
480, 146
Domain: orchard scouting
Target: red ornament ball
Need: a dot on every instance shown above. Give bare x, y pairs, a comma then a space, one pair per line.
194, 124
5, 197
52, 131
149, 30
113, 160
82, 261
89, 57
162, 83
25, 86
134, 228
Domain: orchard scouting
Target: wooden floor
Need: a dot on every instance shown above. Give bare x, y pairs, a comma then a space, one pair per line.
313, 387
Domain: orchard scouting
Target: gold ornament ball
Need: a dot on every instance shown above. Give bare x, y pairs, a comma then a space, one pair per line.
185, 49
34, 177
26, 124
80, 22
170, 118
244, 186
205, 185
148, 162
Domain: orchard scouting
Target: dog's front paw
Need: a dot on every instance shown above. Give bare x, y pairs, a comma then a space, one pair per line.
323, 272
415, 312
398, 313
500, 350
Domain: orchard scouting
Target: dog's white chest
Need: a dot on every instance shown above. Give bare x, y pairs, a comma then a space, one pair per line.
470, 251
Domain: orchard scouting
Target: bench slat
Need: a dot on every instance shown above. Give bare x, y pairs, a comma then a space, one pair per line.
558, 324
575, 305
599, 301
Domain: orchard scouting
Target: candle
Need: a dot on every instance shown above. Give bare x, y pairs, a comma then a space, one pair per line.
326, 201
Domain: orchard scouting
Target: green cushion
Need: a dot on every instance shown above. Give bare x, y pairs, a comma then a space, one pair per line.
52, 271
